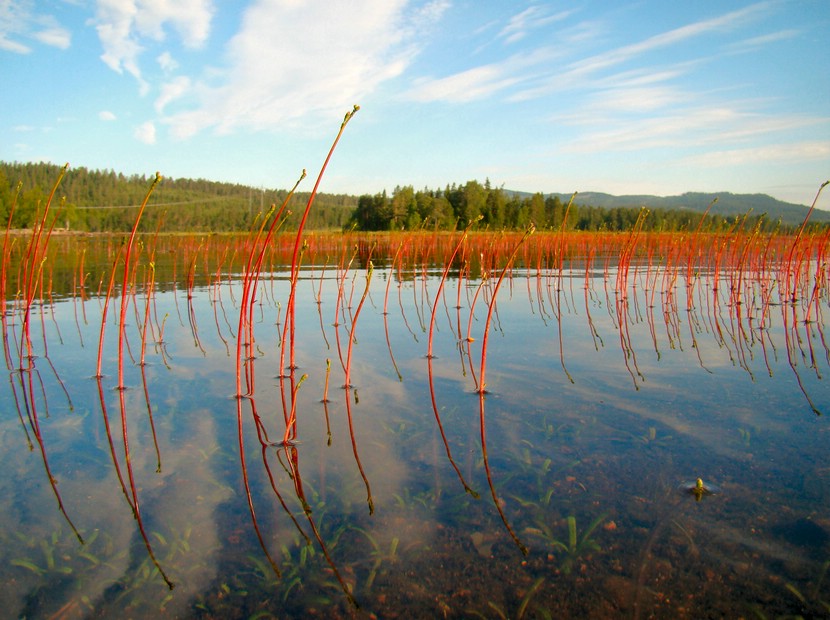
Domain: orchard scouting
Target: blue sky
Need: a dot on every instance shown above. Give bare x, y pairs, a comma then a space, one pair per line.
648, 97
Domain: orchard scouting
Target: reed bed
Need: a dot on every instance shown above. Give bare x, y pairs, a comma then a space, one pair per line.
735, 283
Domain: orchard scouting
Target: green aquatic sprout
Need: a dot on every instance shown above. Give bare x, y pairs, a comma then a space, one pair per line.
426, 499
60, 562
813, 598
378, 556
56, 555
521, 611
576, 546
651, 437
547, 482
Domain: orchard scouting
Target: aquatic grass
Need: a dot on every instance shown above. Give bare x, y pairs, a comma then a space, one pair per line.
731, 320
523, 604
378, 555
4, 267
813, 599
792, 279
125, 285
290, 307
32, 269
258, 242
253, 269
576, 547
444, 274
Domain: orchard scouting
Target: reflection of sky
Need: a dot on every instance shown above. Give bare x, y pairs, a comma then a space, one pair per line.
698, 394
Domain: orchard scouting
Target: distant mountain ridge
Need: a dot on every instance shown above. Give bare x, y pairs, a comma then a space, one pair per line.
728, 204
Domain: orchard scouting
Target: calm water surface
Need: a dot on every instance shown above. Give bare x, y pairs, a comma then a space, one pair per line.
602, 410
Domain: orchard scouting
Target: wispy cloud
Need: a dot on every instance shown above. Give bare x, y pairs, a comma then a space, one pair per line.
785, 153
483, 81
106, 115
753, 43
581, 71
532, 18
710, 126
290, 60
473, 84
541, 72
19, 19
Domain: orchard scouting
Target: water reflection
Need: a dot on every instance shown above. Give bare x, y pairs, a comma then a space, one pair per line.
353, 458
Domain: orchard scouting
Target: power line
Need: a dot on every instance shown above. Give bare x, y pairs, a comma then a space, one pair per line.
162, 204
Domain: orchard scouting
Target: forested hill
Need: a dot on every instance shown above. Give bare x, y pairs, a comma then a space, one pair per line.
104, 200
727, 205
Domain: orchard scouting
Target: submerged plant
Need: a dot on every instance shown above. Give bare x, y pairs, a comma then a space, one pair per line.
523, 605
813, 598
576, 546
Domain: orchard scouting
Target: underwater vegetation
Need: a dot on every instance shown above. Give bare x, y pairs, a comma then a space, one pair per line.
473, 423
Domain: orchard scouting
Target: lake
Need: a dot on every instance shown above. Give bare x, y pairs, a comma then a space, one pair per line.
647, 438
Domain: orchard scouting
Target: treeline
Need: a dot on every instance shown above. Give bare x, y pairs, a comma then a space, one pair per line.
455, 205
103, 200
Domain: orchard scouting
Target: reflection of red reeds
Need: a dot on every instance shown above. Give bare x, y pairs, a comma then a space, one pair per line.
439, 292
481, 375
489, 474
467, 487
125, 287
250, 279
290, 309
347, 386
104, 310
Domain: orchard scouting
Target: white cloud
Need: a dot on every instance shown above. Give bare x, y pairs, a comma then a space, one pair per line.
146, 133
13, 17
431, 11
190, 18
121, 25
54, 36
114, 20
293, 59
13, 46
106, 115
